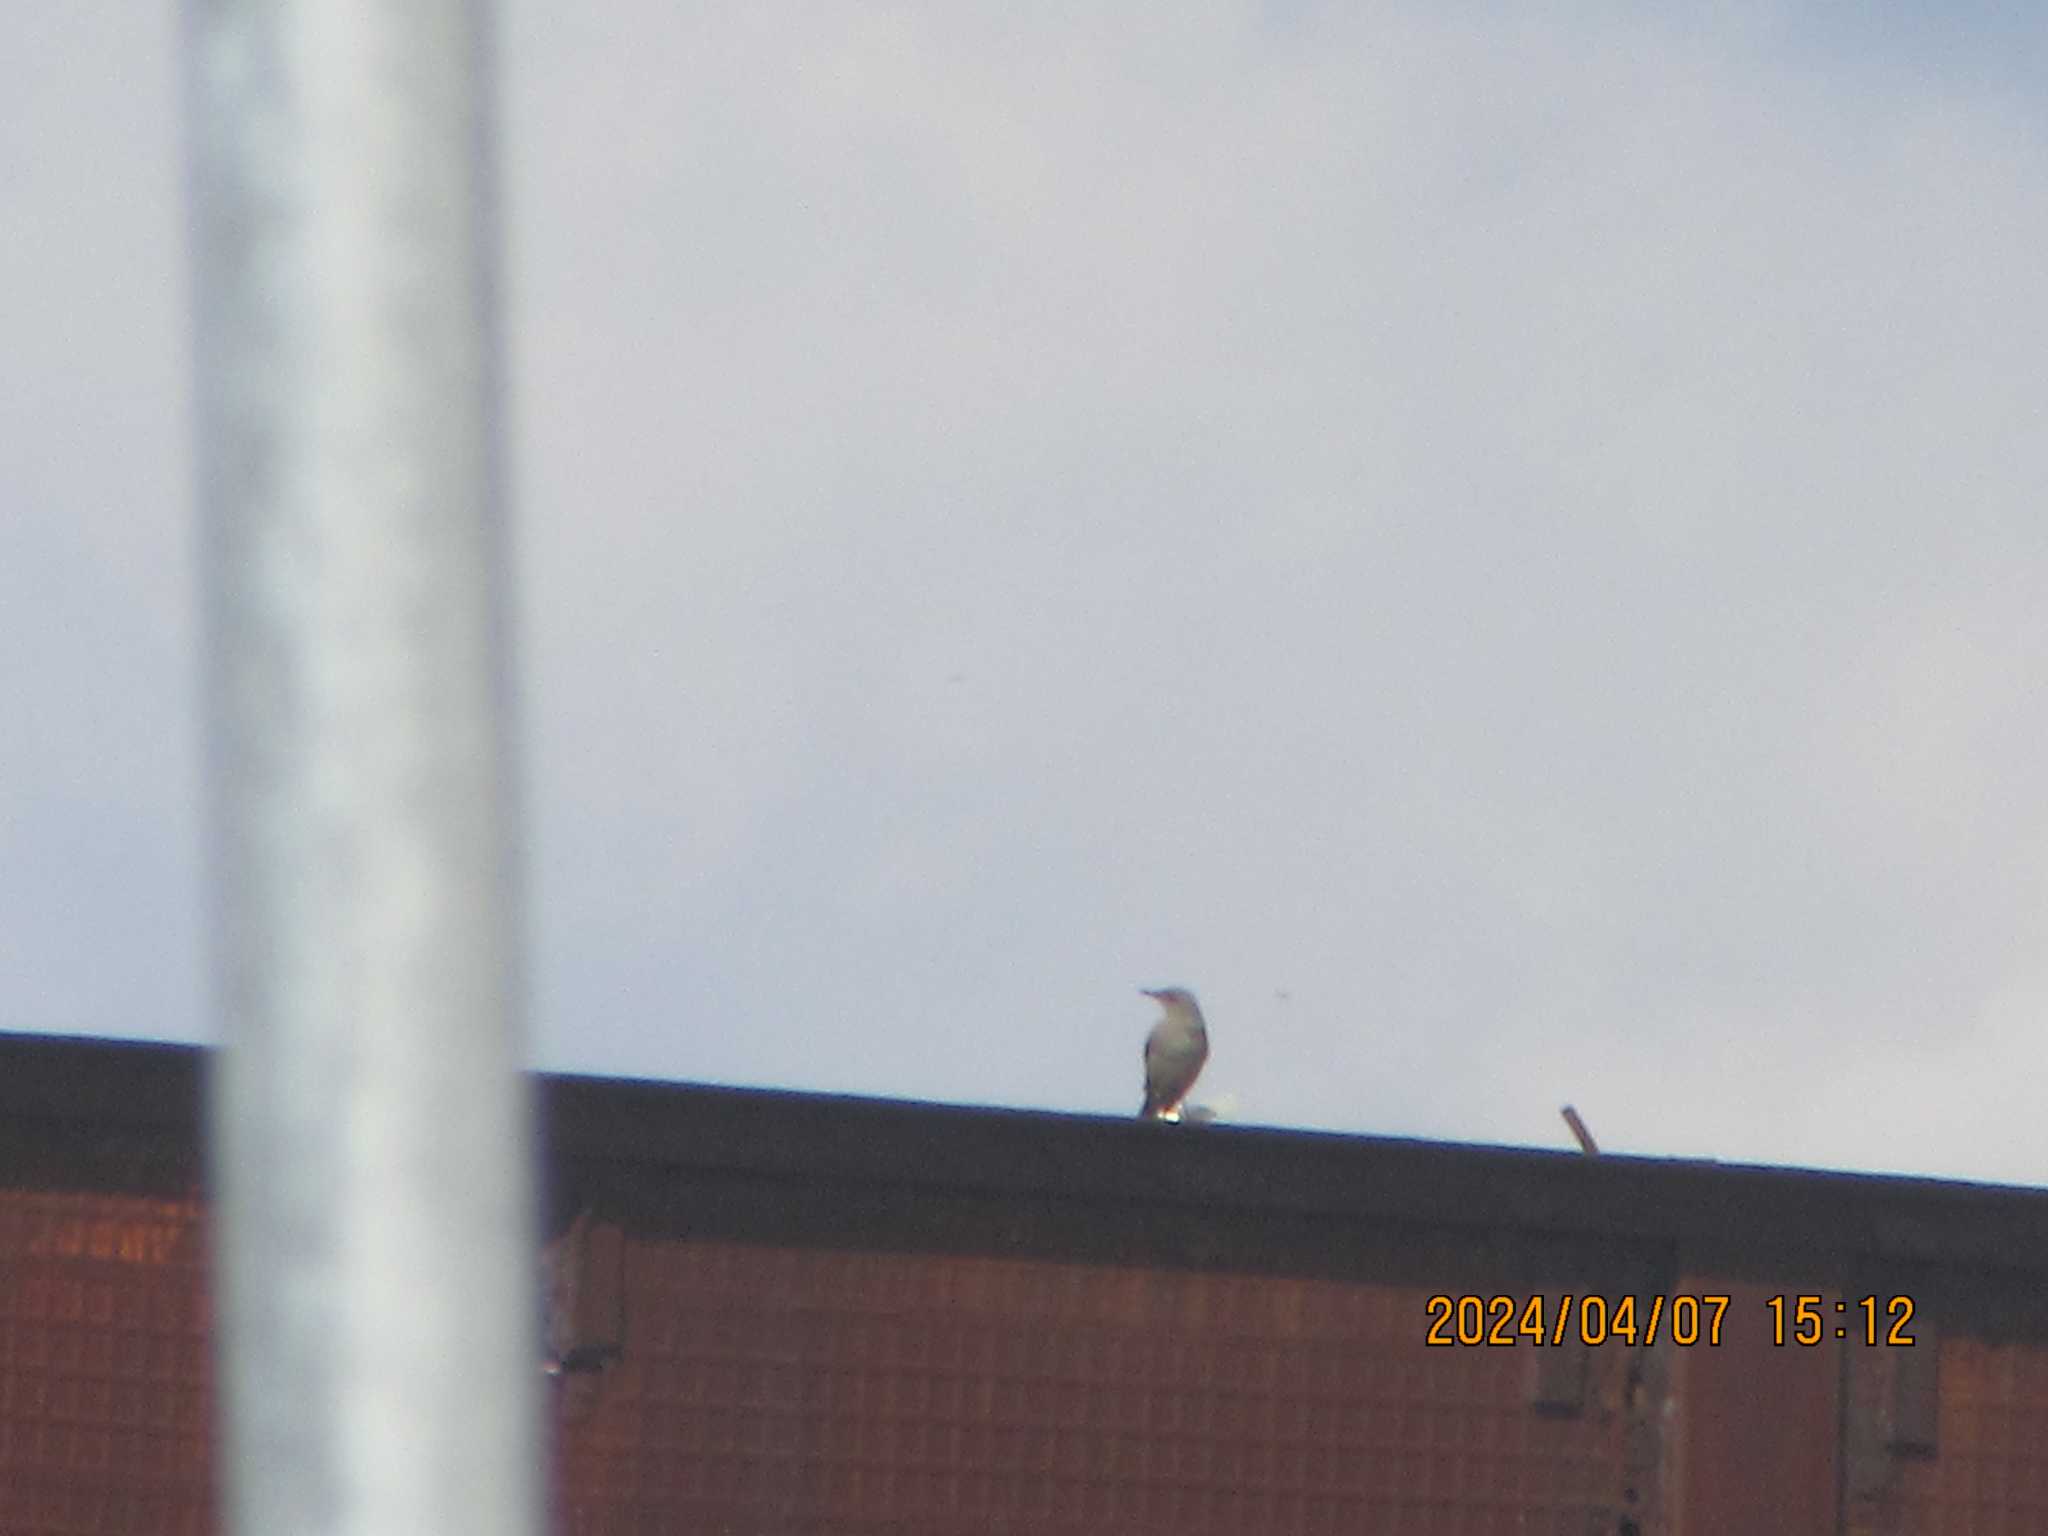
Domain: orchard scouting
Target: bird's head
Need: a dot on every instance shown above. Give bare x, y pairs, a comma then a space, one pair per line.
1173, 999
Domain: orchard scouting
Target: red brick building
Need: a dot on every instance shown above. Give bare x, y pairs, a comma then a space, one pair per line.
782, 1313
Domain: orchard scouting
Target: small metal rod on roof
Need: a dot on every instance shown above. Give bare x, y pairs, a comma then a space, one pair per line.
1585, 1137
370, 1130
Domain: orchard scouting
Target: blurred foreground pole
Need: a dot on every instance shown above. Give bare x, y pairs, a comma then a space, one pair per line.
371, 1145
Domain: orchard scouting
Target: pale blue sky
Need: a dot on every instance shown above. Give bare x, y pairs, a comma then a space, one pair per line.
1507, 556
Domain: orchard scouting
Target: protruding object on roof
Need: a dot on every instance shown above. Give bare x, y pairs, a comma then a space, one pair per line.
1209, 1113
1586, 1143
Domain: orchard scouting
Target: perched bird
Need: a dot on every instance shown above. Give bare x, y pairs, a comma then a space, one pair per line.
1174, 1052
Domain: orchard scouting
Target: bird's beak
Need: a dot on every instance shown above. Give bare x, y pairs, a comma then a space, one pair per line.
1148, 992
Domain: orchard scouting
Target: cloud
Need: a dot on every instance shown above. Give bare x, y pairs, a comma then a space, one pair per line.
1466, 524
98, 847
1519, 536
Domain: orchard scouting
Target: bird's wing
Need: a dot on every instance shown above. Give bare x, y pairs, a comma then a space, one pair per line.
1173, 1060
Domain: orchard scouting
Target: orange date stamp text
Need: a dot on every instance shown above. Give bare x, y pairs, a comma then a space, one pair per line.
1500, 1321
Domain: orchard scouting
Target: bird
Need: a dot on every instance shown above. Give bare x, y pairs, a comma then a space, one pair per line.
1174, 1052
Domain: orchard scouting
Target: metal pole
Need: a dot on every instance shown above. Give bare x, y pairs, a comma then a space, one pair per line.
376, 1272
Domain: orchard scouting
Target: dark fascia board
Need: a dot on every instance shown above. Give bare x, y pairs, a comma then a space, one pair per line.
1704, 1214
128, 1085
